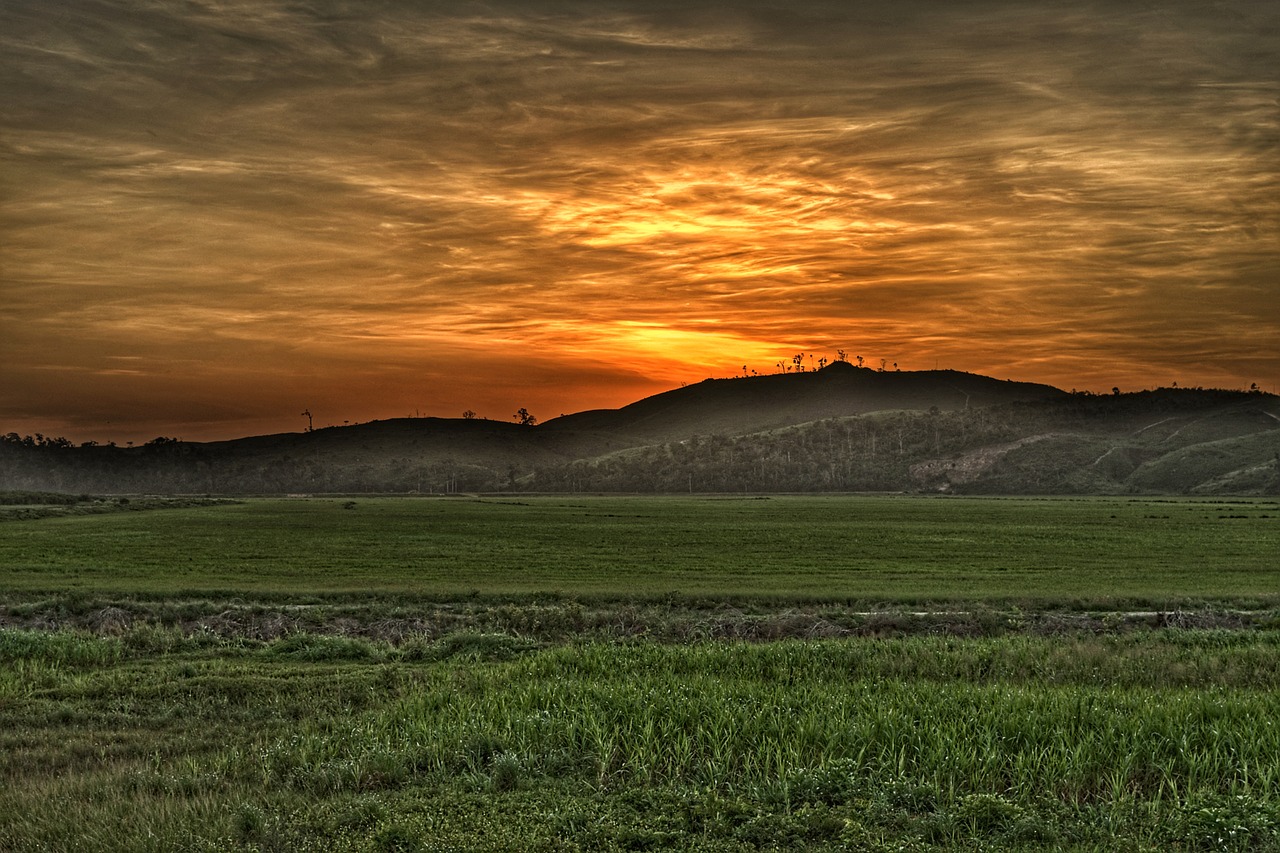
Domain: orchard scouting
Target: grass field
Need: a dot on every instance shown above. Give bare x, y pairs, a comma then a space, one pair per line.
157, 741
556, 674
866, 549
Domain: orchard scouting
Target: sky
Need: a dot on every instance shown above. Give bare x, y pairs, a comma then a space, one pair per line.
218, 214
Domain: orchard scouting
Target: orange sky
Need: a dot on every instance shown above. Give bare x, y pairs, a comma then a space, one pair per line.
217, 214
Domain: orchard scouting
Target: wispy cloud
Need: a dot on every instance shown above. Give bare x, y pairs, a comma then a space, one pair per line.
395, 203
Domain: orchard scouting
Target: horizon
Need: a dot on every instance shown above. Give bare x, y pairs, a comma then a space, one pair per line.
218, 216
315, 424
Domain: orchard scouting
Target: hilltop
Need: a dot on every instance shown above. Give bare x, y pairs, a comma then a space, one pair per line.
751, 404
842, 428
1169, 441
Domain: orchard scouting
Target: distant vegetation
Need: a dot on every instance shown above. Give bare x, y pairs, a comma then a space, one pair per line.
1205, 442
835, 429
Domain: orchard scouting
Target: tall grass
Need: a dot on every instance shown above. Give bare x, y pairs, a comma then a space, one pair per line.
736, 717
1158, 740
68, 649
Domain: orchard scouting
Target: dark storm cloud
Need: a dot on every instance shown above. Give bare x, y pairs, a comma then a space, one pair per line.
311, 192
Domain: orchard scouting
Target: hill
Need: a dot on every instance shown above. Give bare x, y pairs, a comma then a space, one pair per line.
842, 428
1156, 442
745, 405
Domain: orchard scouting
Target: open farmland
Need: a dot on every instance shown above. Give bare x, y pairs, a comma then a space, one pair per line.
904, 550
589, 674
155, 741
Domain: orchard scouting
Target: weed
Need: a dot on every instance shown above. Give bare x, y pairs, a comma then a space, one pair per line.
317, 648
396, 838
505, 773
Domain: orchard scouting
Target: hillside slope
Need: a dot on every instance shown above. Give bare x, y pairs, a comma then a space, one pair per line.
839, 429
745, 405
1166, 442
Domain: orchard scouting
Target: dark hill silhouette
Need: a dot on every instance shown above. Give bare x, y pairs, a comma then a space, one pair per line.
743, 405
1164, 442
842, 428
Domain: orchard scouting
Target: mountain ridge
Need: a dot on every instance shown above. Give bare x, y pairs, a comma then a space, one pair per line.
744, 404
842, 428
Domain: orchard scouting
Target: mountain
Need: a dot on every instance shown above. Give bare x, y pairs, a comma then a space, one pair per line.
745, 405
1170, 441
842, 428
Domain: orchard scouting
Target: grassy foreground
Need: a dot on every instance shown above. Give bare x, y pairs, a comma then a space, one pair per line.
587, 675
1153, 553
157, 740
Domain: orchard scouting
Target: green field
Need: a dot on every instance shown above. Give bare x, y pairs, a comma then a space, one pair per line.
157, 741
698, 674
858, 549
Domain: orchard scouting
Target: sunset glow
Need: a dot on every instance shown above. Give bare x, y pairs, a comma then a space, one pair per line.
217, 215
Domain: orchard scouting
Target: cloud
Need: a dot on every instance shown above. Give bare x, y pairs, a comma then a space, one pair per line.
248, 188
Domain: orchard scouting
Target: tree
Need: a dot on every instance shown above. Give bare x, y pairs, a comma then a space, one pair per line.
523, 417
468, 415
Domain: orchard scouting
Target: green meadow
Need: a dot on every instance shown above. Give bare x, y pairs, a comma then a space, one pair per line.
155, 740
616, 674
889, 549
